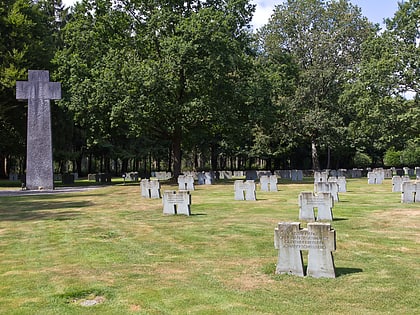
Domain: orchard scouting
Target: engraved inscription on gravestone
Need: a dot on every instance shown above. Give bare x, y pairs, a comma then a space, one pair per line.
39, 91
318, 239
176, 202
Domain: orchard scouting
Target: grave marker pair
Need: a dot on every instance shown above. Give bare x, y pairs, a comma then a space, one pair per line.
309, 201
268, 183
177, 202
318, 239
150, 188
186, 182
245, 190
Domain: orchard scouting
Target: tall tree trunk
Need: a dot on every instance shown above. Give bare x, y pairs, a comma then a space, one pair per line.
176, 151
315, 158
328, 158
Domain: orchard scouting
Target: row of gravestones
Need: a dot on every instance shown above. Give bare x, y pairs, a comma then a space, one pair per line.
410, 190
318, 238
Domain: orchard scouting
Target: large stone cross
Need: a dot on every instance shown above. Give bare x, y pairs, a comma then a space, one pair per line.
39, 162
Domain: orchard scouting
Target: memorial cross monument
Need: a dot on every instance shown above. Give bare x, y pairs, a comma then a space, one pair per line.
39, 162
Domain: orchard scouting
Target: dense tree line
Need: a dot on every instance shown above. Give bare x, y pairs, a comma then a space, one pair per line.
173, 85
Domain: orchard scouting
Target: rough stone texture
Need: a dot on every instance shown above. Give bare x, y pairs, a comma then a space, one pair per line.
176, 202
397, 182
318, 239
308, 201
205, 178
245, 190
376, 176
341, 182
320, 177
39, 162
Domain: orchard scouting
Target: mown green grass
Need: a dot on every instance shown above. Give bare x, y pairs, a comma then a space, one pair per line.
110, 243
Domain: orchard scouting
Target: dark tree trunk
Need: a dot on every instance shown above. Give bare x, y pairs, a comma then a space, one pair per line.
315, 158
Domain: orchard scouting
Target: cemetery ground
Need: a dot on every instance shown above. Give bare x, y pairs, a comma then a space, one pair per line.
114, 250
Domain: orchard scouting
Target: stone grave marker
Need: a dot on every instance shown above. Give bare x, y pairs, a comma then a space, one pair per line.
397, 182
320, 177
327, 187
318, 239
150, 188
176, 202
341, 182
251, 175
38, 90
296, 175
185, 182
244, 190
268, 183
308, 202
410, 192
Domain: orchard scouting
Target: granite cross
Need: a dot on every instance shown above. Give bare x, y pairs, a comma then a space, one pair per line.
39, 162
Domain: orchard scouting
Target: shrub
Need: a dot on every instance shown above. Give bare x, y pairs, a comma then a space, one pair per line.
362, 160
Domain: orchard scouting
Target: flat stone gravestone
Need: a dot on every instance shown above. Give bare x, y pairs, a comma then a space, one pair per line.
185, 182
176, 202
318, 239
150, 188
38, 90
238, 174
327, 187
244, 190
225, 174
308, 202
410, 192
13, 177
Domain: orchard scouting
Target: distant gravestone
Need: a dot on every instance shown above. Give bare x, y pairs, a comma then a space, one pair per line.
397, 182
296, 175
150, 188
244, 190
410, 192
251, 175
417, 171
185, 182
320, 177
308, 202
318, 239
176, 202
327, 187
268, 183
38, 90
341, 182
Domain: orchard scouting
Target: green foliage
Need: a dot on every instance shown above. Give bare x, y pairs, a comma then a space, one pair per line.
393, 158
362, 160
410, 156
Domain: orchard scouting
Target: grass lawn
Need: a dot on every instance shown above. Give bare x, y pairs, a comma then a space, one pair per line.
114, 247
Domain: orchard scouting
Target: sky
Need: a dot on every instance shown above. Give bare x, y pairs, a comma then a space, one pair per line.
374, 10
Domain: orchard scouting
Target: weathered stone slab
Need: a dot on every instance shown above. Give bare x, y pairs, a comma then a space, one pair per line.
38, 90
176, 202
296, 175
327, 187
417, 171
308, 202
318, 239
245, 190
185, 182
150, 188
162, 175
205, 178
225, 174
268, 183
376, 176
410, 192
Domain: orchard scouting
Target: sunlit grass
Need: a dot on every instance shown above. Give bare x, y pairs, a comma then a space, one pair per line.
112, 245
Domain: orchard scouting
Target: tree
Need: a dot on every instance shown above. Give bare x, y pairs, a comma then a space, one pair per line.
323, 39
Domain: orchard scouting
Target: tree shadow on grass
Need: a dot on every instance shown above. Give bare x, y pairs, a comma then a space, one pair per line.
27, 209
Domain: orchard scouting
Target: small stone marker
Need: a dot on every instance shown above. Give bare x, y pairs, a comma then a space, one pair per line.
268, 183
185, 182
244, 190
308, 201
410, 192
38, 90
317, 238
176, 202
150, 188
320, 177
376, 176
341, 182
